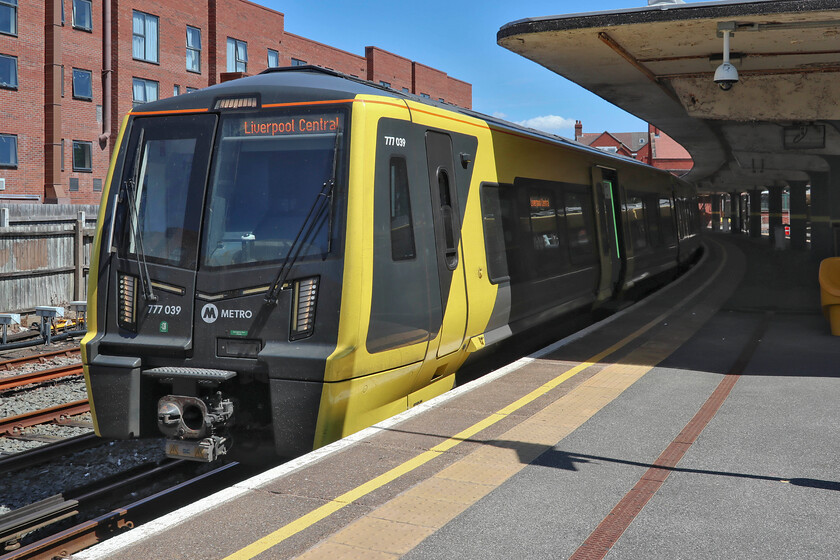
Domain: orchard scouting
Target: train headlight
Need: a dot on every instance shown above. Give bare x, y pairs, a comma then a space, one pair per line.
304, 297
127, 311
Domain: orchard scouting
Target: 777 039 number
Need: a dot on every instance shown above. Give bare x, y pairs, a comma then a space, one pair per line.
164, 309
395, 141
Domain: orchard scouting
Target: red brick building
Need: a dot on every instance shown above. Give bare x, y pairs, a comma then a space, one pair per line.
653, 147
71, 69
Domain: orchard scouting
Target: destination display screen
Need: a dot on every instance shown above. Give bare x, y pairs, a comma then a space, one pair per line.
286, 125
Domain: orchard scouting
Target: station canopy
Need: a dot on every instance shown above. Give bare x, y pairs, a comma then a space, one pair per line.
779, 123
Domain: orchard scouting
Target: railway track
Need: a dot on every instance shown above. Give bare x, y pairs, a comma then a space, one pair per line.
58, 414
48, 452
88, 533
42, 376
13, 363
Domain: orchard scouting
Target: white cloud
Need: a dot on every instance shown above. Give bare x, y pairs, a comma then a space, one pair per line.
549, 123
499, 115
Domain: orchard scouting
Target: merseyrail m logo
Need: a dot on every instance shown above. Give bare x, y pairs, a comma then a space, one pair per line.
209, 313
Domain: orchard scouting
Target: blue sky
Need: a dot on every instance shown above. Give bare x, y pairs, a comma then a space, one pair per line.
459, 37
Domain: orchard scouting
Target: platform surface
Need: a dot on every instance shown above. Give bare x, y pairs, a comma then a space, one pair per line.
701, 423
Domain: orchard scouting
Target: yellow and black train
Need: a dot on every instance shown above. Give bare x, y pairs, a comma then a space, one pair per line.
294, 256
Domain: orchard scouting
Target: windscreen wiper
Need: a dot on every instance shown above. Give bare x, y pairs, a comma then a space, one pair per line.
130, 187
322, 203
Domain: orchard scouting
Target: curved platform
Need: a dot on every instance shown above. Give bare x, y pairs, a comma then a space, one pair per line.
699, 423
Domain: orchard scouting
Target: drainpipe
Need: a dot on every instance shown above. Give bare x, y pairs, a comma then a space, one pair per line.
106, 74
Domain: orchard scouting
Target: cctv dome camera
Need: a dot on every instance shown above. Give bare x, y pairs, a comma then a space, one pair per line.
726, 76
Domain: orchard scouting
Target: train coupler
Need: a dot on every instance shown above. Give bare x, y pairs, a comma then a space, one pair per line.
192, 426
205, 450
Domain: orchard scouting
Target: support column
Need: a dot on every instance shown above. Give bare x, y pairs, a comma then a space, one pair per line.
735, 213
715, 212
755, 213
775, 215
798, 215
822, 246
825, 210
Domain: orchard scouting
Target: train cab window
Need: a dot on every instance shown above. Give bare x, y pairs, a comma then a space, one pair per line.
402, 226
634, 213
580, 227
448, 217
165, 168
269, 172
494, 234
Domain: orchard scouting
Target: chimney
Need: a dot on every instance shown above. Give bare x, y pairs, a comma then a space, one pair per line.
578, 130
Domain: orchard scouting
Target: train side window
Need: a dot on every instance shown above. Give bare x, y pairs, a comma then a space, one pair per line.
635, 215
580, 227
548, 242
494, 235
402, 225
448, 218
652, 220
667, 220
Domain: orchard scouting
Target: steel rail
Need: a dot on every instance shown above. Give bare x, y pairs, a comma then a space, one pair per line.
54, 414
38, 358
12, 382
44, 453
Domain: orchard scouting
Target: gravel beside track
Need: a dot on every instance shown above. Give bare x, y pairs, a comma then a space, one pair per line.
19, 402
30, 485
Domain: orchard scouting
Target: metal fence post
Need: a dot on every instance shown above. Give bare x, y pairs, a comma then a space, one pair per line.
79, 251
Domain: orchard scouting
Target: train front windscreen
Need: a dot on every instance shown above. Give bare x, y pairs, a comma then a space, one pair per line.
266, 174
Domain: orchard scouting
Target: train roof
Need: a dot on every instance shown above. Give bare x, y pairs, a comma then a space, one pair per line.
314, 83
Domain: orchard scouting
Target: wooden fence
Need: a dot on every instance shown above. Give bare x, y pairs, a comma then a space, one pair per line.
44, 254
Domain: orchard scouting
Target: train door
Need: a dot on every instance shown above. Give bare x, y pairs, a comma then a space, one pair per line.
404, 246
612, 258
447, 226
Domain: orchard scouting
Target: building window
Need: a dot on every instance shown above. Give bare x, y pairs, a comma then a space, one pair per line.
405, 90
425, 96
298, 62
82, 153
191, 89
176, 90
194, 49
8, 72
237, 55
143, 91
384, 83
62, 154
82, 84
8, 150
145, 33
62, 80
82, 18
8, 17
74, 184
97, 185
273, 58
